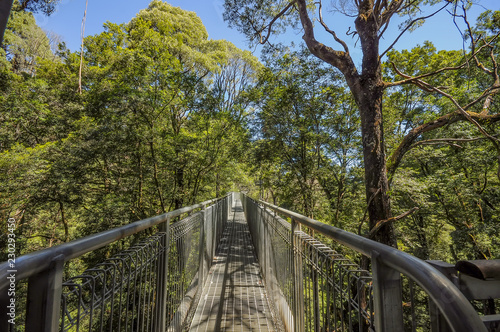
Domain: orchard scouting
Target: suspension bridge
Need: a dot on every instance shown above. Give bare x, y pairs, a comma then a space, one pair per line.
239, 264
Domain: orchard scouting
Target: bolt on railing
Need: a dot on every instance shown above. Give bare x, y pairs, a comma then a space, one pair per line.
314, 288
151, 286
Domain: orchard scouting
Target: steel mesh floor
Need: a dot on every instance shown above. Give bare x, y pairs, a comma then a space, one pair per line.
234, 297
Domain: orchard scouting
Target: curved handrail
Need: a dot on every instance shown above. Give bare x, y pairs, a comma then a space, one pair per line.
38, 261
454, 306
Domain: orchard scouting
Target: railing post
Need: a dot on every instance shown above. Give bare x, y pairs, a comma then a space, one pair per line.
201, 275
298, 305
315, 281
44, 298
387, 296
162, 296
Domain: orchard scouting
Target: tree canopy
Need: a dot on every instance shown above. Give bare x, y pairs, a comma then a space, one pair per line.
159, 124
403, 149
367, 84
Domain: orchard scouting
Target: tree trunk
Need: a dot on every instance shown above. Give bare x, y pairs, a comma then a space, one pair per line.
64, 221
155, 176
217, 185
179, 185
369, 100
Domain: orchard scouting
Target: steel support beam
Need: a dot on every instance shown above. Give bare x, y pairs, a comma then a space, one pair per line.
388, 296
44, 298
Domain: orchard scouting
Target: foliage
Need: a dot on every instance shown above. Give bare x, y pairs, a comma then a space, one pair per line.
372, 19
160, 124
45, 6
25, 43
169, 117
307, 151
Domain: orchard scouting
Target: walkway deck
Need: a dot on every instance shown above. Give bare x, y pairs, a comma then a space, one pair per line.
234, 297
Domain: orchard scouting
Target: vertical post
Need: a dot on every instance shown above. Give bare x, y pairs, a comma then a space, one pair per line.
162, 297
201, 269
387, 296
298, 305
226, 209
266, 245
44, 298
315, 281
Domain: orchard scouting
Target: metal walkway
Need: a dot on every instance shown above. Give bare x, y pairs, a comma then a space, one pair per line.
234, 297
154, 283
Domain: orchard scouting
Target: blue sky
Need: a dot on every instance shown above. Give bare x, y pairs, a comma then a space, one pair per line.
66, 22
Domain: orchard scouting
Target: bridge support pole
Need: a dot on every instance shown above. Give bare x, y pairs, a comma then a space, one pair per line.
387, 296
298, 286
44, 298
162, 286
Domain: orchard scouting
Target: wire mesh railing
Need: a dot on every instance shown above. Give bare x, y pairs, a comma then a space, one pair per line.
315, 288
117, 293
151, 286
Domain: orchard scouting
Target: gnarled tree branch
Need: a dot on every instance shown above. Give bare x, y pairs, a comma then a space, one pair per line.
411, 137
339, 59
389, 14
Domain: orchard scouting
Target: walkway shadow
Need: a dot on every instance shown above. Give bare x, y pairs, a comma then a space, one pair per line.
237, 209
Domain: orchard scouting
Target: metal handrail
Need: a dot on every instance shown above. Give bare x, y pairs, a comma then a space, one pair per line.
454, 306
30, 264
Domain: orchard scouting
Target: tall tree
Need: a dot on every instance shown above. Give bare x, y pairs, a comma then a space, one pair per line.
258, 20
25, 43
162, 109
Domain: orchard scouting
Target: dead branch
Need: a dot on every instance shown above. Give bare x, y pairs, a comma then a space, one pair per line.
381, 223
81, 52
411, 79
438, 143
338, 40
442, 121
431, 88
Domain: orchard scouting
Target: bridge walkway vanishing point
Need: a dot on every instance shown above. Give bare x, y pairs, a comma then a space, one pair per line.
234, 297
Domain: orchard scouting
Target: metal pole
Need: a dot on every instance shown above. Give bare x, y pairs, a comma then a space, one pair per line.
162, 298
438, 322
387, 296
315, 282
44, 298
201, 274
298, 304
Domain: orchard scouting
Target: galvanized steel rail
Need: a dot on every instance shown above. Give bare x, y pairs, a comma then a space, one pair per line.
316, 289
148, 287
